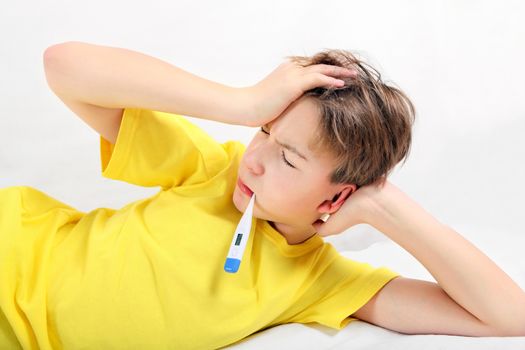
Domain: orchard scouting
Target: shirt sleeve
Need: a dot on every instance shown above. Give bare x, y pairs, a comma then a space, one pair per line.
161, 149
342, 289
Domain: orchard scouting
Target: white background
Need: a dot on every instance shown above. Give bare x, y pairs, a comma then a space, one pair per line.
461, 62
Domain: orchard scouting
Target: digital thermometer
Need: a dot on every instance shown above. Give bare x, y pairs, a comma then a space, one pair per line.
240, 238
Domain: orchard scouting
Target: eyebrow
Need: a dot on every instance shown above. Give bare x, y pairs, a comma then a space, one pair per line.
287, 146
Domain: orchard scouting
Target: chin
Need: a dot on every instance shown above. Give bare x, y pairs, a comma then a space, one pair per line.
240, 200
235, 200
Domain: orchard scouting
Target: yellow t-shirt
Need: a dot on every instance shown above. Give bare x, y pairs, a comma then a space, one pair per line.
150, 275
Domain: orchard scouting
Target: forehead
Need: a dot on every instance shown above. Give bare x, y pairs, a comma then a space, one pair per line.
298, 126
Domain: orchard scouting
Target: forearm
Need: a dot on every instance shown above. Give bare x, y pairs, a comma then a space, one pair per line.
466, 274
117, 78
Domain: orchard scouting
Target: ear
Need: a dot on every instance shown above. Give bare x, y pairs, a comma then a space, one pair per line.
330, 206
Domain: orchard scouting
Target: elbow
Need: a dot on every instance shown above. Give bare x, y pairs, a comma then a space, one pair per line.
55, 53
55, 61
51, 59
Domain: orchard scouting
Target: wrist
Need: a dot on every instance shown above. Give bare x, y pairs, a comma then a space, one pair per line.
383, 201
395, 213
244, 106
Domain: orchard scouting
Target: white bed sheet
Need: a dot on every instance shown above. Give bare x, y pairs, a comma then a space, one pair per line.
359, 335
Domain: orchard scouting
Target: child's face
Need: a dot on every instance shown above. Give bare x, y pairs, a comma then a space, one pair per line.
284, 194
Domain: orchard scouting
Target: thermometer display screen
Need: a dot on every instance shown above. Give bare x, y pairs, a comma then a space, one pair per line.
238, 239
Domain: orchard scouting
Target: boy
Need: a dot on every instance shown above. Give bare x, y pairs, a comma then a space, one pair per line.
150, 275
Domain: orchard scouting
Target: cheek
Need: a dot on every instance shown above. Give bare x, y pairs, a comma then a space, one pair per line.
287, 191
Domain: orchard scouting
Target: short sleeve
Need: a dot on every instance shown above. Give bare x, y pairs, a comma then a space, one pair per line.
160, 149
342, 289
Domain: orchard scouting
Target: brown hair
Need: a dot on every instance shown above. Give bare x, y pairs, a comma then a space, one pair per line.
366, 124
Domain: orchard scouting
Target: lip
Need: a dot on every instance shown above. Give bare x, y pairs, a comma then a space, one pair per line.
244, 189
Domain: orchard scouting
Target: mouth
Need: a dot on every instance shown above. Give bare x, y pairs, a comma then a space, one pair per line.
244, 189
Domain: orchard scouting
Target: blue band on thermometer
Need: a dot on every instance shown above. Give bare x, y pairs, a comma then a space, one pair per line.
240, 238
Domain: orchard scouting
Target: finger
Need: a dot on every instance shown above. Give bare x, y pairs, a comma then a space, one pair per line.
316, 80
331, 70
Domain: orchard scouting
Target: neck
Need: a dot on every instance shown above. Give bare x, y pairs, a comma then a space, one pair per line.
293, 234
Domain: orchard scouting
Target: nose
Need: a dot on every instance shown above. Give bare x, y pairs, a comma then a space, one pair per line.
253, 159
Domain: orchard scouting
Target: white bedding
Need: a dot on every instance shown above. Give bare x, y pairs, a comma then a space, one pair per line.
504, 249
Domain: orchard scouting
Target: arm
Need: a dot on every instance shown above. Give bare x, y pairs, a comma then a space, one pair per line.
473, 296
115, 78
414, 306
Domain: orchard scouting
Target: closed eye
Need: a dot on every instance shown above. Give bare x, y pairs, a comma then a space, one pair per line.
262, 129
285, 160
282, 152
